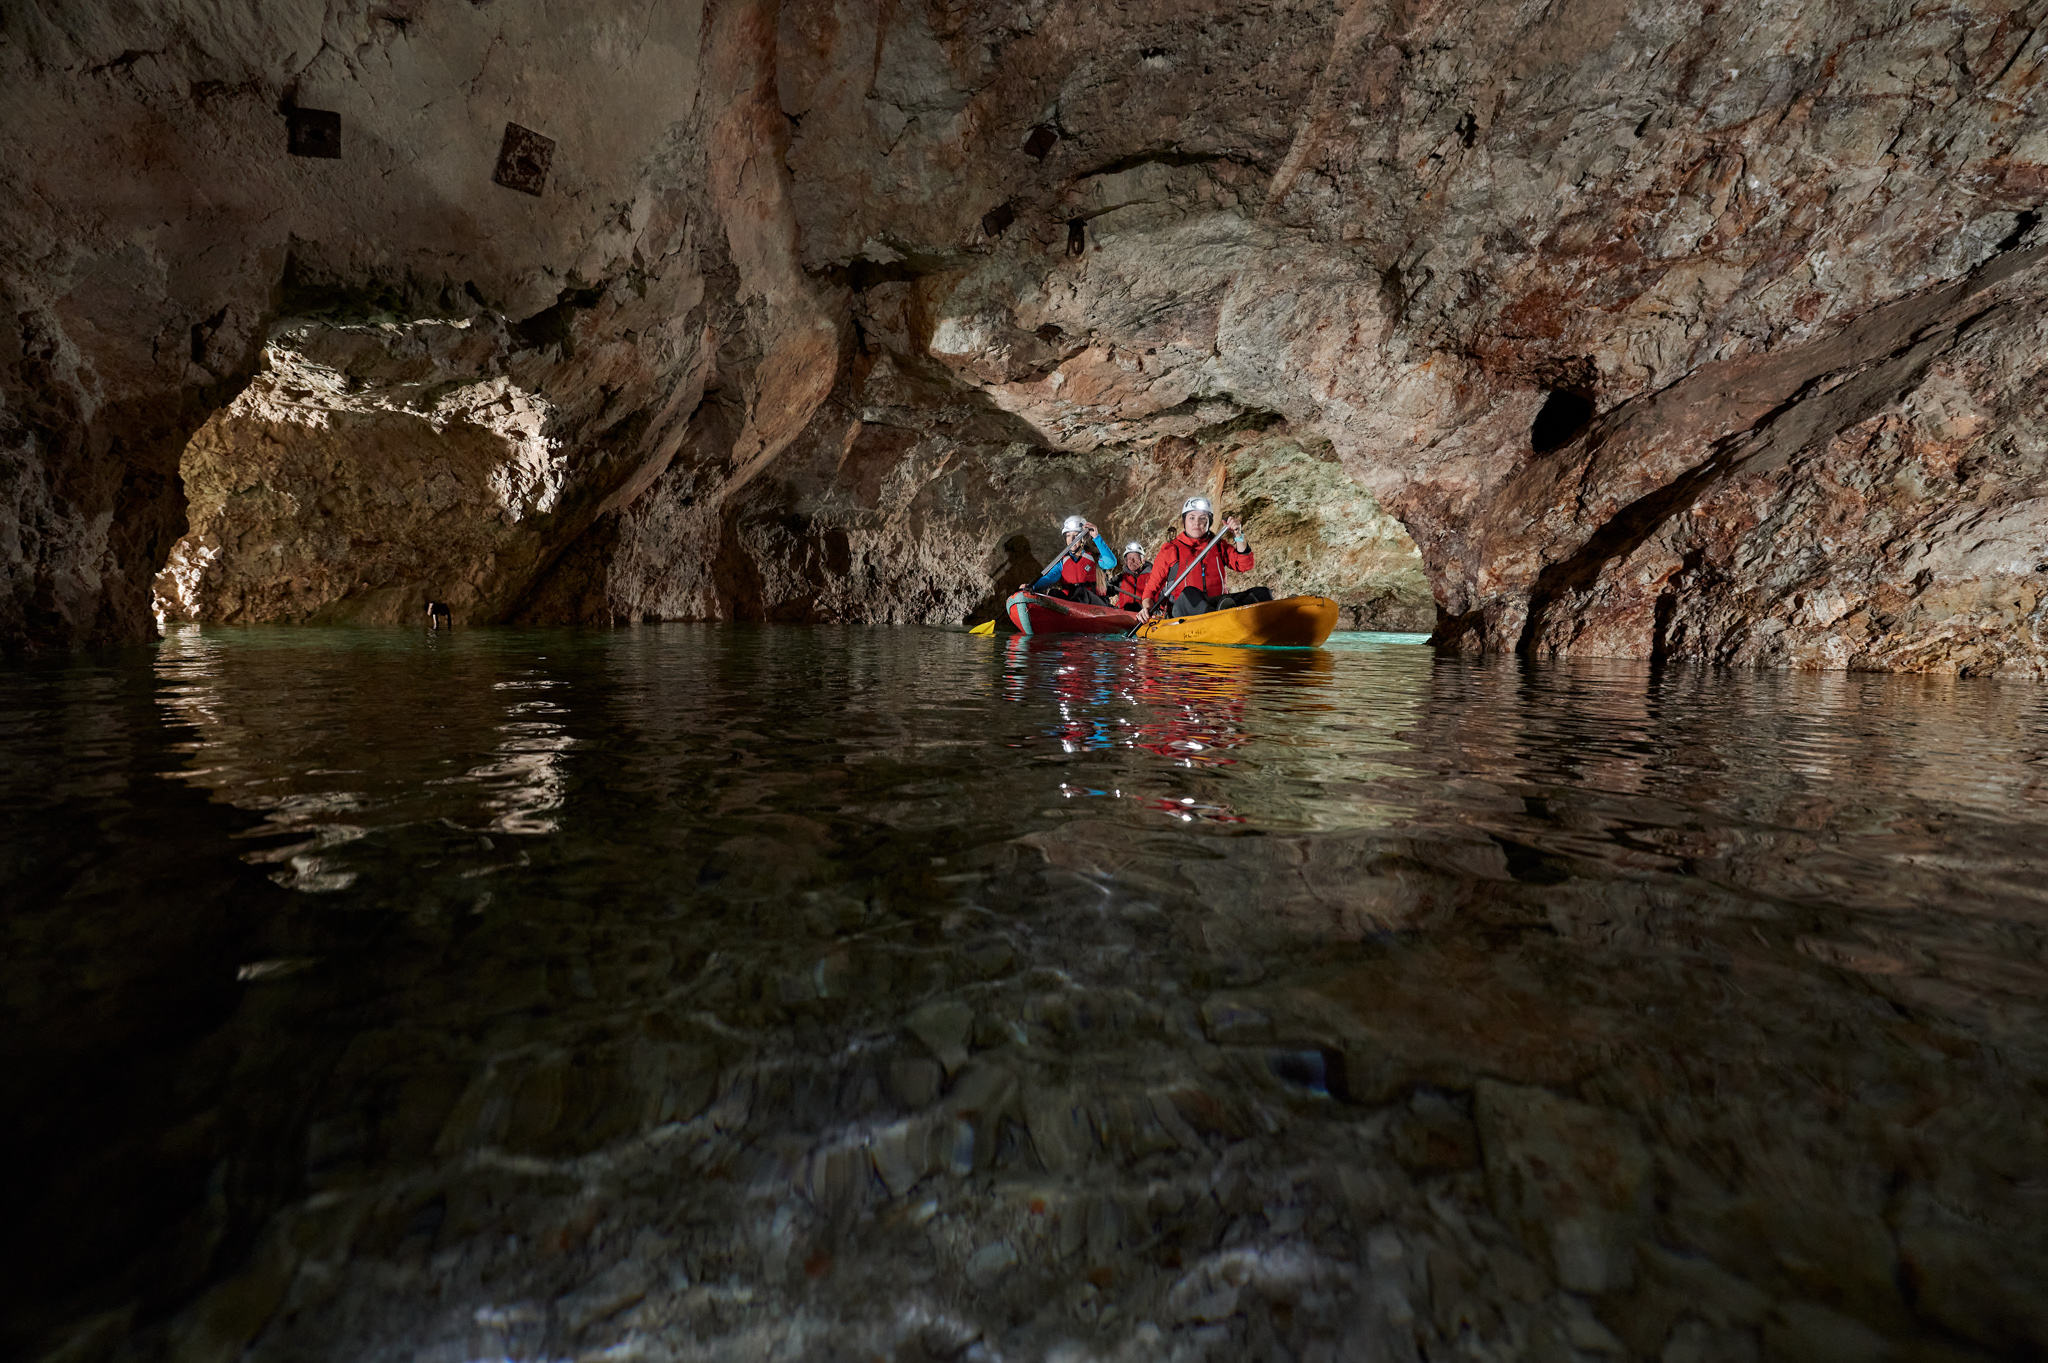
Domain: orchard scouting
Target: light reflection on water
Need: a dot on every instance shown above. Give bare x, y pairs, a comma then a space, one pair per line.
700, 991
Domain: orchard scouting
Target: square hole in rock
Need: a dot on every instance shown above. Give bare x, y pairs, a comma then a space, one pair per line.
313, 132
523, 160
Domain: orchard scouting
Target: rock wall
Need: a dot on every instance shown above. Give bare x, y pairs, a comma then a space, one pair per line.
345, 490
160, 246
901, 502
1682, 332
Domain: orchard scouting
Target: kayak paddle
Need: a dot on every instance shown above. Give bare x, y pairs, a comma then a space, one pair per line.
1167, 595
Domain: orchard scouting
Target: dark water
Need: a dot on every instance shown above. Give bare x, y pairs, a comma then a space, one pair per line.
739, 993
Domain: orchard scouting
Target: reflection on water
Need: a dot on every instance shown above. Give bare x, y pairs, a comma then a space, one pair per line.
787, 992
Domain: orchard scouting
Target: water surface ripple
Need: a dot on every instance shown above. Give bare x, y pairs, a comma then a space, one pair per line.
707, 992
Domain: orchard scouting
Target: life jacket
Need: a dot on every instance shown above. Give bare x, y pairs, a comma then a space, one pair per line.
1182, 549
1127, 588
1076, 570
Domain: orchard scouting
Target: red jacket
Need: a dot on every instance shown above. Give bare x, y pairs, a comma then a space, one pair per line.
1128, 589
1175, 555
1078, 568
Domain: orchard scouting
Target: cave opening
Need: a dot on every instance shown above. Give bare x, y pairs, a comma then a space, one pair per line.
1564, 416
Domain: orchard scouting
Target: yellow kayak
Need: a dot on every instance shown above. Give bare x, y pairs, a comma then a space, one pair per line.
1291, 622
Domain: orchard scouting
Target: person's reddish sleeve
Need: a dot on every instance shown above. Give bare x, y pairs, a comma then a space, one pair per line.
1162, 567
1240, 560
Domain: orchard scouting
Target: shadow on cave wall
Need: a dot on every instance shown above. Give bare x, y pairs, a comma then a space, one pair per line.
113, 479
1019, 565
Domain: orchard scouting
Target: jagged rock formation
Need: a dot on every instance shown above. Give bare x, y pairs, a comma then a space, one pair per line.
1692, 334
156, 237
356, 488
900, 502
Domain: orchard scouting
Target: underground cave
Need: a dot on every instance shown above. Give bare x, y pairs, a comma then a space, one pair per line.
737, 920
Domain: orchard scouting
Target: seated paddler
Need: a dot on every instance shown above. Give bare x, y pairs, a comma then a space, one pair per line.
1191, 566
1077, 574
1127, 583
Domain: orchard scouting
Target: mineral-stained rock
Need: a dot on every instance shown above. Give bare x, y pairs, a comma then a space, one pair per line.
1663, 332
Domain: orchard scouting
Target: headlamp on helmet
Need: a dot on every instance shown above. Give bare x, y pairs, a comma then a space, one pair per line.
1135, 548
1200, 504
1072, 525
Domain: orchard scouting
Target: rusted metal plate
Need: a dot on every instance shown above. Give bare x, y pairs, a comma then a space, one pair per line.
523, 160
313, 132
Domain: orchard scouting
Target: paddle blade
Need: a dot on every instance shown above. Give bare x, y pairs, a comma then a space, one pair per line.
986, 627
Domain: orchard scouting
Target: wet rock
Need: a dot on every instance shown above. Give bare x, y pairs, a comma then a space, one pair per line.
1839, 1249
990, 1263
1311, 1071
1585, 1332
1724, 1300
1433, 1135
944, 1026
1203, 1296
1128, 1126
1694, 1341
1211, 1112
1517, 1276
679, 1079
611, 1292
1807, 1330
1060, 1131
836, 1178
992, 958
1572, 1180
915, 1082
982, 1097
904, 1152
1984, 1291
1105, 1234
1230, 1022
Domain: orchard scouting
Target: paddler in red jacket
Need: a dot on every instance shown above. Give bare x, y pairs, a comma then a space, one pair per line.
1127, 584
1202, 589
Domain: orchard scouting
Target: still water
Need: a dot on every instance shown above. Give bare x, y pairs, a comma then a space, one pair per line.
742, 993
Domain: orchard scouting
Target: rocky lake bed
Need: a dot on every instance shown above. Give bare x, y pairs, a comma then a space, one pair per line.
749, 992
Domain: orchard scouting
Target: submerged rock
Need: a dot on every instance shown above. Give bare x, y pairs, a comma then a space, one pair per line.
1572, 1180
1539, 1047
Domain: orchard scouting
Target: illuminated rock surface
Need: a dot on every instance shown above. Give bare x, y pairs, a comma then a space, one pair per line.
1662, 332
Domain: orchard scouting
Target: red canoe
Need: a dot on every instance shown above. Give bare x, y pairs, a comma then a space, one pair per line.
1035, 614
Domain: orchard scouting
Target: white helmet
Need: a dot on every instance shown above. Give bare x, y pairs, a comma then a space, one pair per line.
1073, 525
1135, 548
1200, 504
